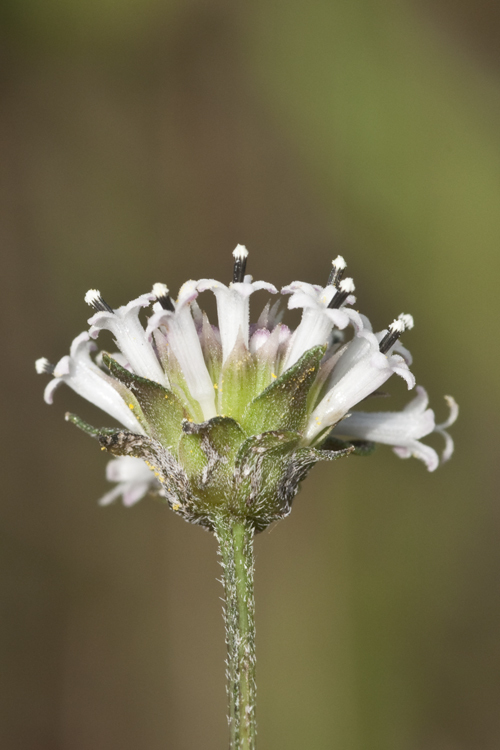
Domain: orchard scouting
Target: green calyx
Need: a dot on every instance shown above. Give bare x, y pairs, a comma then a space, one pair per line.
247, 462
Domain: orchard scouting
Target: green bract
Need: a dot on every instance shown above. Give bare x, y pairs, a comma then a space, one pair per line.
249, 461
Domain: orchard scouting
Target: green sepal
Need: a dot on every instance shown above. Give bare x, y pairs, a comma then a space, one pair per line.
207, 453
283, 405
161, 409
359, 447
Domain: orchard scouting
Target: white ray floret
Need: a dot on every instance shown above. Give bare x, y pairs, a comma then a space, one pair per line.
134, 480
318, 319
361, 370
402, 430
442, 428
184, 341
129, 334
81, 374
233, 305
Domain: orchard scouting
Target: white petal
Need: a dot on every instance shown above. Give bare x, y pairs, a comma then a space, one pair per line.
441, 428
133, 477
133, 493
421, 451
318, 319
85, 378
184, 341
313, 330
128, 469
233, 309
258, 339
187, 294
363, 378
110, 496
453, 414
391, 428
131, 338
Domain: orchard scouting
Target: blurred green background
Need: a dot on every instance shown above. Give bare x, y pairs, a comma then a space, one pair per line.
140, 141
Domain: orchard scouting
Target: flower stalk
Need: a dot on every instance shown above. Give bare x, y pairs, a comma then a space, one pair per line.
235, 539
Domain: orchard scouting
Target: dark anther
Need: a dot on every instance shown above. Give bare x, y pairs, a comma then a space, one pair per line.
161, 293
240, 255
390, 338
343, 290
95, 299
338, 268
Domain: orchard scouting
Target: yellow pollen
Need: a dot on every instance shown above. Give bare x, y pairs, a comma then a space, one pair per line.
131, 406
273, 375
176, 506
216, 386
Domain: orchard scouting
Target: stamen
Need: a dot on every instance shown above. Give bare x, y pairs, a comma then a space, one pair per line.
240, 255
403, 322
43, 366
95, 300
344, 289
161, 293
338, 267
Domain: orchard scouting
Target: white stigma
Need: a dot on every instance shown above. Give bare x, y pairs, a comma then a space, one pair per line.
240, 252
397, 326
407, 320
93, 297
160, 290
347, 285
43, 365
339, 263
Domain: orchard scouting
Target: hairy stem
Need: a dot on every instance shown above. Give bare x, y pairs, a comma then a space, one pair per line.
235, 537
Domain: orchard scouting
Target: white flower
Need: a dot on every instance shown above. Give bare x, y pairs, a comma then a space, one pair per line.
82, 375
129, 334
199, 401
323, 308
184, 340
233, 302
403, 430
363, 367
133, 477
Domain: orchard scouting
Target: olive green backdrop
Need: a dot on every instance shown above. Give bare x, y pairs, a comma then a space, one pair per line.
140, 141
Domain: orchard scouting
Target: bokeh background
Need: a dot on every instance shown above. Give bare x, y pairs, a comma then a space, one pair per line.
140, 141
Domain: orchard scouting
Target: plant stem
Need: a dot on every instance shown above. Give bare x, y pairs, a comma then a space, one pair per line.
235, 537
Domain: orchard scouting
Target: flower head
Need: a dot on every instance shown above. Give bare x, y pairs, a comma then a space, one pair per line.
234, 415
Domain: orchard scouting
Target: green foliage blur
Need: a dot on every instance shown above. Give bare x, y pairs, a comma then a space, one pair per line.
140, 142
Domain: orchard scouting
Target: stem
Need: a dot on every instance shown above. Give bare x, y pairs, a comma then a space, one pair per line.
235, 537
